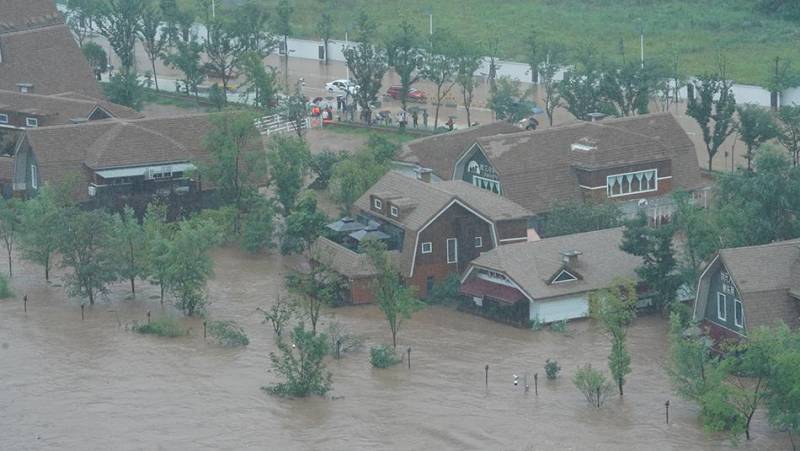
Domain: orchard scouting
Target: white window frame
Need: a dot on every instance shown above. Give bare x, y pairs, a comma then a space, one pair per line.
572, 277
394, 211
427, 247
452, 258
34, 178
478, 242
630, 175
489, 183
31, 122
738, 319
722, 314
3, 118
377, 204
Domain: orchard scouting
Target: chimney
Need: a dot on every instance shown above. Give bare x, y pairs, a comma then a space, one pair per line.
424, 174
570, 258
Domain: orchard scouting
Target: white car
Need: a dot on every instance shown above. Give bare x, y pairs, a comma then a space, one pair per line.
341, 87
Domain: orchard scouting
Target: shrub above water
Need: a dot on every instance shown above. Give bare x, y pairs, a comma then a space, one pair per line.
383, 356
163, 327
551, 368
5, 289
228, 333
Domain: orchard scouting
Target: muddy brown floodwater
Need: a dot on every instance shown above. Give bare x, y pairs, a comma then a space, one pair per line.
68, 384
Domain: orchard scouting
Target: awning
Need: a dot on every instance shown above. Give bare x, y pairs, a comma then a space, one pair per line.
483, 288
142, 170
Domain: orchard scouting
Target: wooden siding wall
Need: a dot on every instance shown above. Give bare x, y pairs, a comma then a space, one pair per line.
514, 228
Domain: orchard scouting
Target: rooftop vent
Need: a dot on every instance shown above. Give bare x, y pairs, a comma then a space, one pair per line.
424, 174
596, 116
25, 87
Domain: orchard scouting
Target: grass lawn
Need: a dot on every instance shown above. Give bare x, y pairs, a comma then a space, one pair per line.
695, 30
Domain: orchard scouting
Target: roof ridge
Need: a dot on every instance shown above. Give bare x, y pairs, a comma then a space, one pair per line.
103, 141
789, 242
158, 133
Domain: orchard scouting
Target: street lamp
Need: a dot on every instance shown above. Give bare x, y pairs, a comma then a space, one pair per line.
429, 11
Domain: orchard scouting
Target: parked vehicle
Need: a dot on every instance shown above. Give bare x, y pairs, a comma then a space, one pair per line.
341, 87
414, 95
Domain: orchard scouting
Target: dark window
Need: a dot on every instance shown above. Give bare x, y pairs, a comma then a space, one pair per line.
452, 250
429, 284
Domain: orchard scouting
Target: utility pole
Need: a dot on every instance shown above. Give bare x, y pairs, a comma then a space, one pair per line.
641, 40
213, 9
346, 45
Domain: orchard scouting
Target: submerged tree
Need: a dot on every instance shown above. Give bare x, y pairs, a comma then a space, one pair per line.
289, 159
118, 22
84, 246
789, 130
318, 287
407, 57
154, 40
367, 63
129, 245
755, 128
468, 61
440, 67
301, 364
40, 223
615, 308
396, 300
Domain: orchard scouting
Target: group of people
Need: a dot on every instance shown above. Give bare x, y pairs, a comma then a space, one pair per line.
403, 115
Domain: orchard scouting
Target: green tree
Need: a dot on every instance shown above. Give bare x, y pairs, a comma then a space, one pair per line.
260, 81
789, 130
407, 56
577, 217
295, 111
580, 88
119, 23
303, 225
713, 102
322, 164
236, 163
301, 364
159, 241
325, 30
395, 299
129, 246
755, 128
96, 57
289, 159
506, 102
125, 89
697, 228
547, 72
468, 61
153, 39
189, 265
257, 228
367, 64
224, 50
355, 173
186, 58
615, 307
691, 362
593, 384
783, 390
9, 227
81, 17
319, 287
659, 267
629, 86
440, 67
40, 223
759, 207
84, 246
283, 21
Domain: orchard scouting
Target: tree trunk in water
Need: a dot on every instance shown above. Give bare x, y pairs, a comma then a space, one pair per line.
710, 160
394, 340
9, 264
47, 272
161, 285
133, 286
155, 77
619, 382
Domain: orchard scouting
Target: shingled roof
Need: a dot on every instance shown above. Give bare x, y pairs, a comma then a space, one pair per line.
428, 199
537, 169
532, 264
61, 109
61, 150
764, 276
439, 152
38, 48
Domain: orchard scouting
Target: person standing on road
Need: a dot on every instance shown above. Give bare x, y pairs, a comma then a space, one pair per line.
425, 118
414, 117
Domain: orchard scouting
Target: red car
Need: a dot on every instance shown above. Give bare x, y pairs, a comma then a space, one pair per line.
414, 95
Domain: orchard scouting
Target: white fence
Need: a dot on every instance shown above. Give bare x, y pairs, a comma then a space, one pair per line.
276, 123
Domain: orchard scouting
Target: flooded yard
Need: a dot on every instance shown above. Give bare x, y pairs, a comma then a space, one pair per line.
94, 384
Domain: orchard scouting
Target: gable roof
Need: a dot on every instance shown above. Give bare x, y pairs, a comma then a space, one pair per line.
533, 264
38, 48
537, 169
61, 109
426, 200
64, 149
439, 152
764, 276
341, 259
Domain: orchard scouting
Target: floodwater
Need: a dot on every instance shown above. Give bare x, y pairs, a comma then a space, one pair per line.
95, 385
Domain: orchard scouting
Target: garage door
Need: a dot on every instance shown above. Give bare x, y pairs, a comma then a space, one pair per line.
560, 309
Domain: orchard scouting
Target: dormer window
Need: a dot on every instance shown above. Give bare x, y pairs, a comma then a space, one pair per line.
31, 122
394, 211
632, 183
377, 204
564, 276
